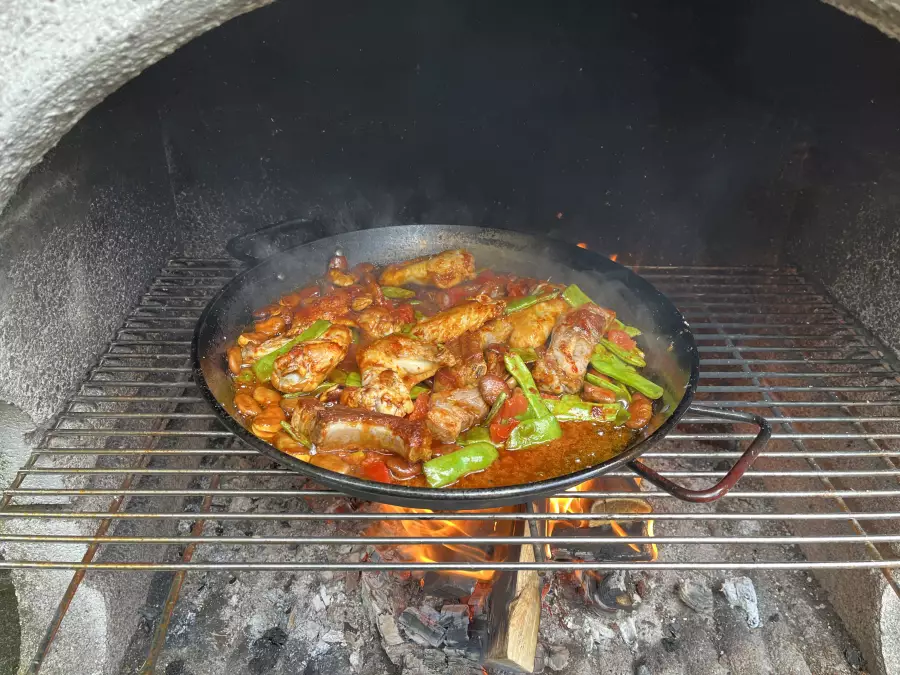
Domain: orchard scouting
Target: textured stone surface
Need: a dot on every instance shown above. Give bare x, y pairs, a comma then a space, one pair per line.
59, 59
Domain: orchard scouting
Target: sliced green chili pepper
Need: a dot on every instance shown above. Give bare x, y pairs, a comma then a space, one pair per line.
419, 316
416, 391
619, 390
293, 434
354, 379
397, 293
607, 363
321, 389
449, 468
570, 408
264, 366
407, 328
631, 331
475, 435
245, 377
528, 355
495, 409
575, 296
338, 376
518, 304
517, 368
414, 302
534, 431
635, 357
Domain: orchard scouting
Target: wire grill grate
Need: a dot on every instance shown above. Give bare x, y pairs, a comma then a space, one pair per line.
136, 474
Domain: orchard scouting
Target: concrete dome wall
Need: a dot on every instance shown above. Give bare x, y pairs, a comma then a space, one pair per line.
59, 59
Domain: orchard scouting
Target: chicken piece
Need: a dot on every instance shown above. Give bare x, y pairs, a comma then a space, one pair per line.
382, 391
379, 322
338, 427
495, 332
443, 270
332, 307
306, 366
532, 326
252, 352
469, 348
413, 360
562, 367
452, 412
464, 374
392, 365
449, 324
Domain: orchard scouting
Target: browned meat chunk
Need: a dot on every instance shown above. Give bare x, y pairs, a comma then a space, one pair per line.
379, 322
531, 327
562, 367
443, 270
339, 428
452, 323
305, 367
452, 412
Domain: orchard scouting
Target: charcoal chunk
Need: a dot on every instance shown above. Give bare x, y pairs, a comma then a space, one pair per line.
449, 585
422, 626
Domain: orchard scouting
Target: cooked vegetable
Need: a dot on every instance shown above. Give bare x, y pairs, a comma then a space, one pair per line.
519, 304
570, 408
527, 355
517, 368
265, 365
575, 296
246, 377
498, 404
534, 431
293, 434
416, 391
397, 293
449, 468
475, 435
619, 390
607, 363
635, 357
631, 331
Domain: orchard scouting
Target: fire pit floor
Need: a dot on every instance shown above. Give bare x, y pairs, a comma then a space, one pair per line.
203, 557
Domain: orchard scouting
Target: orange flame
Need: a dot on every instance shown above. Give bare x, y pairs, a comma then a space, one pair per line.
425, 529
614, 257
581, 244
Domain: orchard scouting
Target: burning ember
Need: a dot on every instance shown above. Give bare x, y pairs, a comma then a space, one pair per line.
581, 244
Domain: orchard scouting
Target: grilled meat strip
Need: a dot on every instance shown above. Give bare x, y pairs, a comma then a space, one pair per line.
452, 412
338, 427
562, 367
532, 326
452, 323
443, 270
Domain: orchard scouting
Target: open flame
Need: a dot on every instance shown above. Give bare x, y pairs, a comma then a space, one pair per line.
426, 529
581, 505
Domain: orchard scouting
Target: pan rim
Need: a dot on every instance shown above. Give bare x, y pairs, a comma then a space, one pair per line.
446, 498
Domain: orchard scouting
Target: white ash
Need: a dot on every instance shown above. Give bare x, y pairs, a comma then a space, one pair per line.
739, 592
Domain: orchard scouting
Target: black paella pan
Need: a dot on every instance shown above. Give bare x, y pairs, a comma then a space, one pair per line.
672, 357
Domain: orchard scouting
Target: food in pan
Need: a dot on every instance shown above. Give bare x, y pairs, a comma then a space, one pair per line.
432, 373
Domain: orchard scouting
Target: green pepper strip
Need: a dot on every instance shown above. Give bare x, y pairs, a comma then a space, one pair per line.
572, 409
631, 331
495, 409
264, 366
245, 377
449, 468
419, 316
416, 391
534, 431
321, 389
519, 304
397, 293
616, 388
607, 363
635, 357
528, 355
475, 435
517, 368
575, 296
293, 434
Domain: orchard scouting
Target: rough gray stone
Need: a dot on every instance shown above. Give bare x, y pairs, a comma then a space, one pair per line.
695, 595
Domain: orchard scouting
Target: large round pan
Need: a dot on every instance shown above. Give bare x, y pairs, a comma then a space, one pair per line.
672, 356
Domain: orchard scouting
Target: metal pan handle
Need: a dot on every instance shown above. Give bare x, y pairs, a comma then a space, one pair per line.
734, 474
256, 246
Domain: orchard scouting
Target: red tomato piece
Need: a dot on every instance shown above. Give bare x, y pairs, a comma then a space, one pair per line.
500, 431
514, 405
621, 338
377, 470
420, 407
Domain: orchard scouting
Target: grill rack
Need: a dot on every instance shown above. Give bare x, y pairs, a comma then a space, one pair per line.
136, 474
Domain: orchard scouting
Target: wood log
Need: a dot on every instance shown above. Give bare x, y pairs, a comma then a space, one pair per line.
515, 613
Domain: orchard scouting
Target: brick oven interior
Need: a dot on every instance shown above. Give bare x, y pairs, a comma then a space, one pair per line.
688, 138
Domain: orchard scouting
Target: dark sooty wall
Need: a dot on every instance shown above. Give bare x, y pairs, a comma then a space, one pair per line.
692, 132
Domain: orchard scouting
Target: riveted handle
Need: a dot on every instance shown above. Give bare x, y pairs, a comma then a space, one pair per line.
256, 246
734, 474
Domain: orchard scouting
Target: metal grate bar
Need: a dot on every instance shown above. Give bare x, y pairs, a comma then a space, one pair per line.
144, 453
